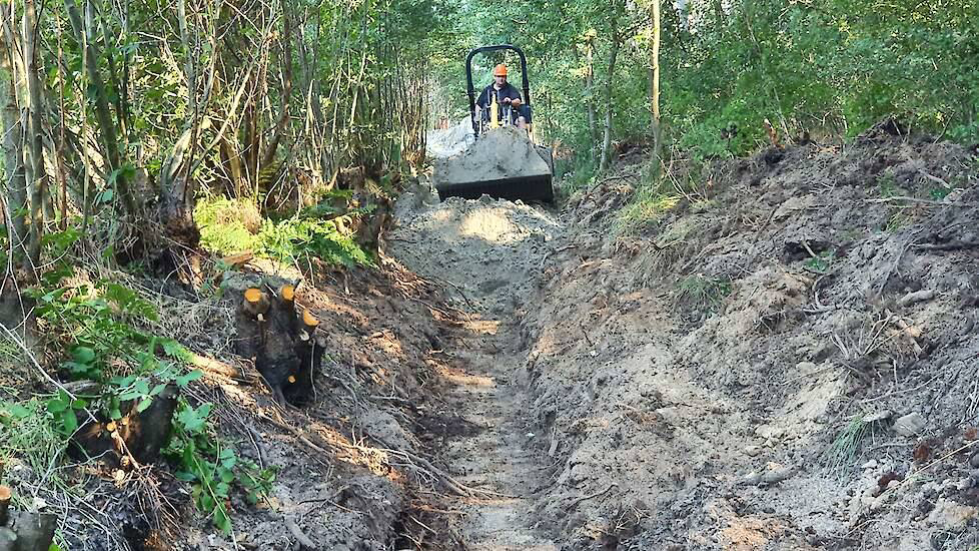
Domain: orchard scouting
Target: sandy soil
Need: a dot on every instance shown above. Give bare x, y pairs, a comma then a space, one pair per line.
487, 254
784, 359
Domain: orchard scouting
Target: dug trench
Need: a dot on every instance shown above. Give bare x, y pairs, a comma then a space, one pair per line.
782, 355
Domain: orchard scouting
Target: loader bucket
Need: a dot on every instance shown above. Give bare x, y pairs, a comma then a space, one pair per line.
502, 163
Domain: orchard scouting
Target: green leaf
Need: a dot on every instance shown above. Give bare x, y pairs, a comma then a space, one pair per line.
57, 405
227, 476
144, 404
105, 197
206, 501
175, 350
184, 380
54, 547
221, 519
18, 411
69, 422
83, 354
123, 381
185, 476
193, 420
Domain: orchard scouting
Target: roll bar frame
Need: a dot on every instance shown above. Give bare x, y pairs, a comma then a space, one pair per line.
471, 91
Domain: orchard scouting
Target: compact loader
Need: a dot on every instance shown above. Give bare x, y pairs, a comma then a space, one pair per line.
503, 161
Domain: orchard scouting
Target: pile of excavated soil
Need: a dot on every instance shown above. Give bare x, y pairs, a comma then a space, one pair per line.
486, 254
498, 154
786, 359
442, 143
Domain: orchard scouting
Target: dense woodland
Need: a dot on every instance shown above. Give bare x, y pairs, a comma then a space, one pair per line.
132, 129
122, 115
827, 68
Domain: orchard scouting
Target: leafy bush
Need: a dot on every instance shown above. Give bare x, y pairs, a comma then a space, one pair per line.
285, 240
829, 67
98, 324
223, 228
213, 467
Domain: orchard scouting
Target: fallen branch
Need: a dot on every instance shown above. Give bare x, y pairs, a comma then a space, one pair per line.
215, 367
942, 459
457, 288
951, 246
915, 297
423, 525
20, 344
592, 496
297, 533
907, 199
769, 478
935, 179
581, 325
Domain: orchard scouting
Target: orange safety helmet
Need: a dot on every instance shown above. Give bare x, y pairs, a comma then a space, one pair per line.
500, 70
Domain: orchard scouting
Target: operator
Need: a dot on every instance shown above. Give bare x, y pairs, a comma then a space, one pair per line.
506, 94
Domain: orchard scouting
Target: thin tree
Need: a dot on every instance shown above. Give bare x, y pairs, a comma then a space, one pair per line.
654, 99
606, 153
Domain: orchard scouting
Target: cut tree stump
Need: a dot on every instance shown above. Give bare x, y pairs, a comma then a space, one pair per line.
277, 338
22, 531
143, 433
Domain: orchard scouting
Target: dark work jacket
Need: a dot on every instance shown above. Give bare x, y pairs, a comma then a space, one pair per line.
508, 91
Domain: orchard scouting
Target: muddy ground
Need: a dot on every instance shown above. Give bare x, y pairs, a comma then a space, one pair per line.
785, 357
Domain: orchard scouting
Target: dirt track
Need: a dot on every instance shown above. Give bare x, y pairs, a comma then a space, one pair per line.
487, 254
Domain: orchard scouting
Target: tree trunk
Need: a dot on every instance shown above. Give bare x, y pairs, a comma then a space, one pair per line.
33, 138
121, 110
107, 127
231, 160
606, 156
14, 180
285, 61
654, 99
590, 92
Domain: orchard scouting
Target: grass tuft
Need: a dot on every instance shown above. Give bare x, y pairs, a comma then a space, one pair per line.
703, 292
843, 452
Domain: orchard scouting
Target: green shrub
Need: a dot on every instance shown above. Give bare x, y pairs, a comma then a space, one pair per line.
223, 226
212, 466
224, 233
98, 325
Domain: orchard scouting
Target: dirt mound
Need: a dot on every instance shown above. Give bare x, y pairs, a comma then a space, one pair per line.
486, 253
443, 143
499, 154
784, 359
